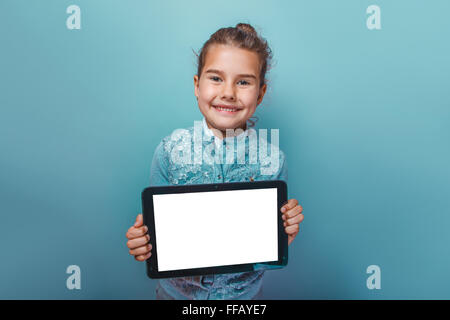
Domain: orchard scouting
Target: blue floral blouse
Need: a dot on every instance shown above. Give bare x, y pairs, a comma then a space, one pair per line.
195, 156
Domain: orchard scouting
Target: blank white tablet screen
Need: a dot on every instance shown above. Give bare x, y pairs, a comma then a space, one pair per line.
218, 228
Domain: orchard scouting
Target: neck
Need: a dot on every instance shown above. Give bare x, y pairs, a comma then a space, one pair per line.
222, 133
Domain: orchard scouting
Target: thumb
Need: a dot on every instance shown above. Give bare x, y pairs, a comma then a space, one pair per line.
139, 220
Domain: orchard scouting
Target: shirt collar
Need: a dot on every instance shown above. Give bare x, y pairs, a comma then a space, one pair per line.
209, 132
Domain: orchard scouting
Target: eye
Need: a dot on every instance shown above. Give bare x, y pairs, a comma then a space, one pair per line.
213, 78
245, 82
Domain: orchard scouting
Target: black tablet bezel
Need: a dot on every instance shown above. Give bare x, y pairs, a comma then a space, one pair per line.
149, 220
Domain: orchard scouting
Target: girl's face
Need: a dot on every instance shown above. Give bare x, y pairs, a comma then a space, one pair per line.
228, 90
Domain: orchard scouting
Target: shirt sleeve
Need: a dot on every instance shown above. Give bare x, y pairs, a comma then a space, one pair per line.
282, 173
159, 168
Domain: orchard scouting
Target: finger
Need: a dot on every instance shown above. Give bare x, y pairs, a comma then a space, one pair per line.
134, 233
141, 250
289, 205
293, 212
292, 229
143, 257
138, 242
139, 220
295, 220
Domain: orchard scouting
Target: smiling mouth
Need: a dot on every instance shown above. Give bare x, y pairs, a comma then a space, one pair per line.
227, 109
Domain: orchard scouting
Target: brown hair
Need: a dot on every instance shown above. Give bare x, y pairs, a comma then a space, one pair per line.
242, 36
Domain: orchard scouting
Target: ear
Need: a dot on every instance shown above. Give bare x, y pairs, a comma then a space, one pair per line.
262, 92
196, 83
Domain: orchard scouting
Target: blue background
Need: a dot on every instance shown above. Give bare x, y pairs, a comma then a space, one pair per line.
363, 116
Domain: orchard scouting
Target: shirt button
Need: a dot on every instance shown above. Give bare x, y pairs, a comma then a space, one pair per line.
219, 177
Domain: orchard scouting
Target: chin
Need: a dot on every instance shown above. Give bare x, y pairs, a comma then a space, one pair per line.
223, 124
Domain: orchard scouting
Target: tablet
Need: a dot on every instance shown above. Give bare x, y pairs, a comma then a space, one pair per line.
201, 229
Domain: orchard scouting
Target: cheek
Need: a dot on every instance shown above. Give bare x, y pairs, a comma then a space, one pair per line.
207, 94
250, 98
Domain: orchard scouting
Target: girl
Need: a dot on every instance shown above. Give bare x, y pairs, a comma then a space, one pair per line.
229, 85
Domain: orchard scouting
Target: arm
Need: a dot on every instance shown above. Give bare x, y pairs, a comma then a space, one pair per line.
137, 235
292, 211
282, 173
159, 168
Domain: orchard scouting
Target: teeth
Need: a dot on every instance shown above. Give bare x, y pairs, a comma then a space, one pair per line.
225, 109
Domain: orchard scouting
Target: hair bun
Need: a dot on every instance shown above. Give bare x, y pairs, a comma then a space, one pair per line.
247, 28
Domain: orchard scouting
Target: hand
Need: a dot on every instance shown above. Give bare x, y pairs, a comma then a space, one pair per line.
138, 239
292, 216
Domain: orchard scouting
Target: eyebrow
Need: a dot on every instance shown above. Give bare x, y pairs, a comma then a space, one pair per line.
239, 75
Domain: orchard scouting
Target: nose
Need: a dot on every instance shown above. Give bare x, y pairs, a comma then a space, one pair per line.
228, 92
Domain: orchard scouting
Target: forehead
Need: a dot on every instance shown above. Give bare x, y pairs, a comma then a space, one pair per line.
231, 59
